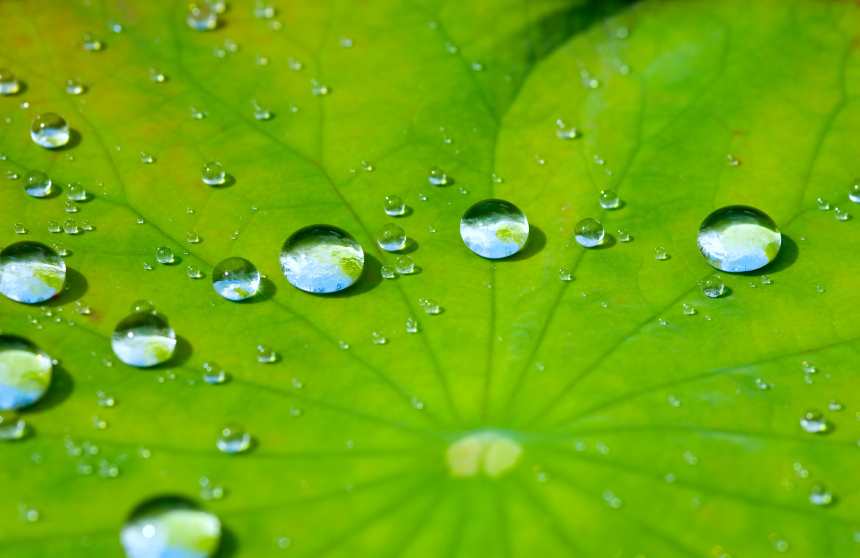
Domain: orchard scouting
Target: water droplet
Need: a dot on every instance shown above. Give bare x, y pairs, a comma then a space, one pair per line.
201, 18
823, 204
146, 157
422, 197
82, 306
318, 89
411, 325
142, 306
91, 43
75, 87
819, 288
198, 114
854, 193
840, 212
712, 286
489, 452
143, 339
263, 10
437, 176
379, 339
813, 421
233, 439
50, 130
25, 373
834, 405
31, 272
808, 367
19, 228
192, 237
819, 496
193, 271
609, 199
260, 112
54, 226
393, 205
164, 255
213, 373
261, 60
76, 192
588, 232
623, 235
391, 237
388, 271
294, 64
70, 226
564, 274
213, 173
8, 82
660, 253
431, 306
494, 229
170, 526
689, 310
12, 427
661, 321
321, 259
450, 48
766, 280
761, 384
37, 184
565, 132
236, 279
404, 265
86, 225
60, 248
105, 400
738, 238
71, 208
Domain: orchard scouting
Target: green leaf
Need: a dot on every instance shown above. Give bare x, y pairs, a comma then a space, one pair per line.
532, 416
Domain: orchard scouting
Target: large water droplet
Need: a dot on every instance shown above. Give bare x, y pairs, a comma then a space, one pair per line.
494, 229
391, 237
213, 173
201, 18
170, 527
8, 82
712, 286
31, 272
25, 373
588, 232
321, 259
164, 255
37, 184
143, 339
233, 439
393, 205
50, 130
236, 279
738, 238
76, 192
609, 199
437, 176
404, 265
840, 212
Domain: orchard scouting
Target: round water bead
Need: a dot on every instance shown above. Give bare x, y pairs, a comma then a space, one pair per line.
143, 339
437, 176
431, 306
766, 280
660, 253
712, 286
265, 354
8, 82
236, 279
91, 43
50, 130
588, 232
201, 18
170, 527
233, 439
25, 373
623, 235
217, 6
391, 237
192, 237
75, 87
164, 255
19, 228
321, 259
54, 226
564, 274
840, 212
213, 173
821, 497
609, 199
689, 310
854, 193
565, 132
31, 272
12, 427
393, 205
404, 265
193, 271
738, 238
823, 204
813, 421
388, 271
37, 184
213, 374
70, 226
76, 192
494, 229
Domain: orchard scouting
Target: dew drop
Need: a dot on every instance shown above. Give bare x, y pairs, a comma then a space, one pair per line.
689, 310
294, 64
143, 339
814, 422
564, 274
819, 496
265, 354
388, 271
70, 226
431, 306
37, 184
854, 193
318, 89
50, 130
263, 10
76, 192
260, 112
766, 280
660, 253
494, 229
391, 237
437, 176
31, 272
71, 208
26, 373
213, 373
236, 279
82, 306
411, 325
60, 248
213, 173
164, 255
192, 237
623, 235
201, 18
75, 87
738, 238
233, 439
712, 286
12, 427
146, 157
54, 226
193, 272
404, 265
823, 204
393, 205
321, 259
840, 212
379, 339
86, 225
588, 232
169, 526
8, 82
19, 228
143, 306
91, 43
609, 199
565, 132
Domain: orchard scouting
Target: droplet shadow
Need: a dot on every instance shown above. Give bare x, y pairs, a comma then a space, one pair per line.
229, 544
229, 180
175, 261
56, 191
371, 277
77, 287
608, 242
62, 386
535, 243
22, 88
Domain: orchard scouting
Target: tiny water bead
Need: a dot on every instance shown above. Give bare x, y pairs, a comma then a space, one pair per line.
213, 173
738, 238
233, 439
60, 248
201, 18
146, 157
623, 235
76, 192
261, 113
236, 279
565, 132
712, 286
379, 339
213, 374
766, 280
37, 184
31, 272
564, 274
164, 255
321, 259
393, 205
170, 527
854, 193
265, 354
823, 204
19, 228
25, 373
388, 271
411, 326
192, 237
193, 271
404, 265
82, 306
75, 87
588, 232
318, 89
8, 82
91, 43
840, 212
54, 226
391, 237
689, 310
70, 226
494, 229
814, 422
820, 497
609, 199
431, 306
50, 130
437, 176
156, 76
660, 253
143, 339
86, 225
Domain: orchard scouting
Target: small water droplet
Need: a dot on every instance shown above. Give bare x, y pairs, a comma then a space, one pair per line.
8, 82
76, 192
37, 184
609, 199
404, 265
712, 286
823, 204
819, 288
588, 232
70, 226
260, 112
263, 10
156, 76
660, 253
834, 405
50, 130
840, 212
393, 205
814, 422
379, 339
411, 325
450, 48
437, 176
236, 279
12, 426
564, 274
689, 310
343, 345
70, 207
193, 272
192, 237
318, 89
294, 64
431, 306
391, 237
213, 373
565, 132
265, 354
19, 228
86, 225
213, 173
388, 271
91, 43
201, 17
623, 235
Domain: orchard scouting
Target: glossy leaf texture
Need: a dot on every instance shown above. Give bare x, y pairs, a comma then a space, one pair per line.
643, 430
